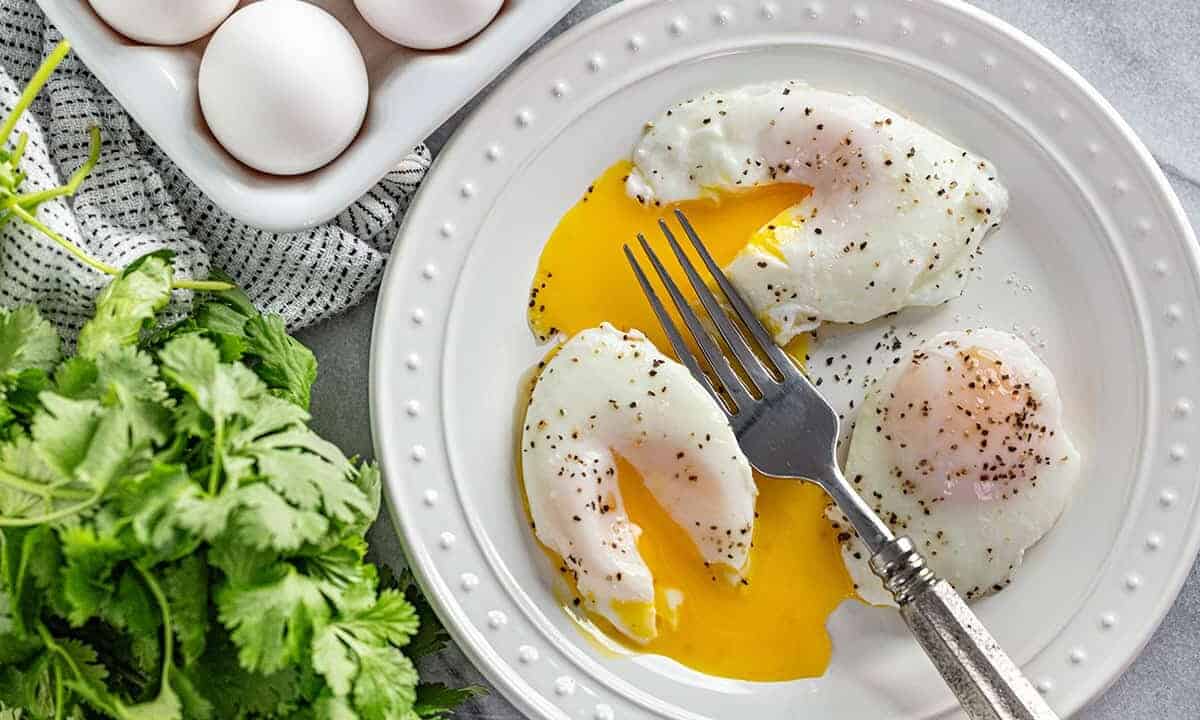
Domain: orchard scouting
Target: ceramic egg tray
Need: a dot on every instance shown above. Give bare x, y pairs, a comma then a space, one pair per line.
412, 93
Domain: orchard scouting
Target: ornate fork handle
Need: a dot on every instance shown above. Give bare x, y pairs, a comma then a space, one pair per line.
988, 684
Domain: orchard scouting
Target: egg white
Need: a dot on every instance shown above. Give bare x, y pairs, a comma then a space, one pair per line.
895, 217
962, 448
605, 392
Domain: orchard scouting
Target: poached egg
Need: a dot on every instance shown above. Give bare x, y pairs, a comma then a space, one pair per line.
607, 393
962, 447
896, 214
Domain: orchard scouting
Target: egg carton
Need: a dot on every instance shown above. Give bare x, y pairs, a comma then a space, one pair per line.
412, 92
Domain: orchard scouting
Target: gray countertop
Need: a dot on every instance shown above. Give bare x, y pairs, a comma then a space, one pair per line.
1145, 58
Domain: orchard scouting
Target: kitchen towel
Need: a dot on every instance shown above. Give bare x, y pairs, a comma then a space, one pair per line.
136, 201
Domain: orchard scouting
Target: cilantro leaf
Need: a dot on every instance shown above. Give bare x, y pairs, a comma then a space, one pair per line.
431, 636
358, 654
85, 660
19, 402
128, 378
436, 701
156, 504
239, 693
273, 622
76, 378
341, 574
191, 509
334, 708
165, 706
23, 479
386, 682
29, 686
27, 341
63, 432
28, 566
193, 703
266, 521
89, 577
283, 362
333, 658
310, 472
186, 587
219, 389
86, 444
133, 611
128, 305
391, 619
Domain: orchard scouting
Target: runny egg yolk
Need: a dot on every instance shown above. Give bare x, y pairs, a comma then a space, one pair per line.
772, 626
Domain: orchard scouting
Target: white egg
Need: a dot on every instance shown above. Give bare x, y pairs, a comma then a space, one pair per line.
896, 215
607, 392
283, 87
163, 22
962, 448
428, 24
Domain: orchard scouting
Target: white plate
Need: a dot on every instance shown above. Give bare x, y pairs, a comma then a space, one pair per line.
412, 92
1096, 264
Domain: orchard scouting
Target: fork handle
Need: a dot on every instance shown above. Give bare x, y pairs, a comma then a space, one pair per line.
988, 684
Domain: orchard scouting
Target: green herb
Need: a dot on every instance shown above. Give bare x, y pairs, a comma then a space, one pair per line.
175, 542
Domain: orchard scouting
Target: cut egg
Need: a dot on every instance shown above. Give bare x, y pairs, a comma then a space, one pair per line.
607, 393
770, 625
163, 22
896, 215
428, 24
962, 448
283, 86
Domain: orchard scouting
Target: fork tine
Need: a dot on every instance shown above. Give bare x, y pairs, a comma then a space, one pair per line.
732, 336
712, 352
766, 343
686, 356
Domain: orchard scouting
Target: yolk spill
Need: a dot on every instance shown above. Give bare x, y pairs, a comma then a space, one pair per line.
773, 628
583, 278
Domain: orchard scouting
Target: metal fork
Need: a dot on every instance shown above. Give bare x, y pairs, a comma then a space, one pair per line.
788, 430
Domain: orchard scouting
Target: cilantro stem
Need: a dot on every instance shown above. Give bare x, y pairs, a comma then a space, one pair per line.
168, 633
60, 694
44, 71
207, 285
65, 243
32, 200
53, 646
51, 517
43, 491
214, 470
18, 151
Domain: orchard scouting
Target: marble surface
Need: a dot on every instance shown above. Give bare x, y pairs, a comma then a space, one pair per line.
1143, 57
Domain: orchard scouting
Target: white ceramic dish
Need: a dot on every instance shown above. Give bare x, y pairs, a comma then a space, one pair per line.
1096, 265
412, 92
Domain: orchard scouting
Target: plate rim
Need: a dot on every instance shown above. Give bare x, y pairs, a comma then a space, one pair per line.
389, 457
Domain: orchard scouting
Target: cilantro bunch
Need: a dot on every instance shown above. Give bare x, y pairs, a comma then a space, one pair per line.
175, 542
